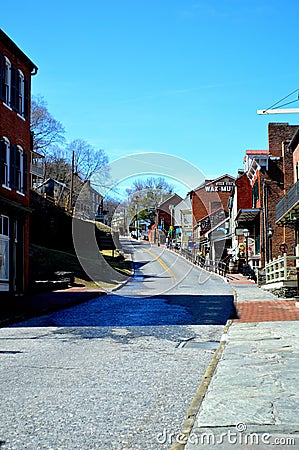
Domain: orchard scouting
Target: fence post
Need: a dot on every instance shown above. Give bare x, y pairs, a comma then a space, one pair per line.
285, 273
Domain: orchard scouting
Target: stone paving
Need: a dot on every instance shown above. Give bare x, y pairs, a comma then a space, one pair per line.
252, 401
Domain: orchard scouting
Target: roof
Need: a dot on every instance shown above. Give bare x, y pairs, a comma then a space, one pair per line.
207, 182
54, 181
247, 215
18, 52
216, 226
175, 197
257, 152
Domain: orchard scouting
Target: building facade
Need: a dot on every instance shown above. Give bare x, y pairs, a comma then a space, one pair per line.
209, 213
16, 70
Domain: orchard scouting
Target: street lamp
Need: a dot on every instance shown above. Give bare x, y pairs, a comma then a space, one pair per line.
270, 233
246, 235
136, 213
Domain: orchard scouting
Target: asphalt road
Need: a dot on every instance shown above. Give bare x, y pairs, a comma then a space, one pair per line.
117, 372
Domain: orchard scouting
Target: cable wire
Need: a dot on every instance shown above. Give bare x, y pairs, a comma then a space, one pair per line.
285, 104
272, 106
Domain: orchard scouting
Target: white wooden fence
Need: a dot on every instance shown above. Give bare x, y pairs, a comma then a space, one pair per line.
282, 269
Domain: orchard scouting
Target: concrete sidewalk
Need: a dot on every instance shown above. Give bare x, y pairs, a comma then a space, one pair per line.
249, 396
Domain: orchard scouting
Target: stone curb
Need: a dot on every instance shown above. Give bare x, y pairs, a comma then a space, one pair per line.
200, 394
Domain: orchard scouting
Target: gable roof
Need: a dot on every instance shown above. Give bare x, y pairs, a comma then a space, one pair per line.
207, 182
9, 43
173, 198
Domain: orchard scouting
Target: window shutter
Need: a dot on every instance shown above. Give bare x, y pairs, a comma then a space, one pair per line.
26, 98
13, 167
15, 88
2, 160
25, 172
2, 78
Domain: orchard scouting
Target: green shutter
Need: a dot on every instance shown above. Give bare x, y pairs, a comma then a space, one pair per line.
26, 98
2, 77
13, 167
25, 172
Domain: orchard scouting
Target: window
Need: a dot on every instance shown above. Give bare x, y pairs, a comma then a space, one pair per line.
4, 225
7, 81
255, 194
5, 162
4, 248
21, 170
14, 87
21, 81
13, 166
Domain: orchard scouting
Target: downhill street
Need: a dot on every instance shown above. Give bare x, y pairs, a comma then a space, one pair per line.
119, 371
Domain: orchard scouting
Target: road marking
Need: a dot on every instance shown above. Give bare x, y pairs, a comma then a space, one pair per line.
163, 264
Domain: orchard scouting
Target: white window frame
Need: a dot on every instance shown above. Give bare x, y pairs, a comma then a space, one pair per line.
6, 183
21, 93
20, 188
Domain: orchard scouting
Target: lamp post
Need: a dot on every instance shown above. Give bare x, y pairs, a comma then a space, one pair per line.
171, 208
270, 232
246, 235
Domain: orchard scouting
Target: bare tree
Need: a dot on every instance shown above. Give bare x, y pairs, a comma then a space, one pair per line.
46, 130
58, 165
87, 160
147, 195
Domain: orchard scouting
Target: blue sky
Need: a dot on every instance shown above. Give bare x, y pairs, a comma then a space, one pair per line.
182, 77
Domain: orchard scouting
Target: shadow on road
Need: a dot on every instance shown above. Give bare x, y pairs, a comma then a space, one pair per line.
115, 311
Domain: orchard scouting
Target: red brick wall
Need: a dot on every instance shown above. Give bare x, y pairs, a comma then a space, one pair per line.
278, 180
17, 130
202, 199
295, 162
277, 134
244, 192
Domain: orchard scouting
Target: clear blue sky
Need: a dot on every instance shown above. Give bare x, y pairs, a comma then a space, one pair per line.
183, 77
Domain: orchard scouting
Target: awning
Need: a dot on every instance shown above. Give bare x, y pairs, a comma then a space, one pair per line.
216, 226
247, 215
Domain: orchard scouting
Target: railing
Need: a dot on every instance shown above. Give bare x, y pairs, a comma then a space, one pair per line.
288, 201
37, 169
219, 267
282, 269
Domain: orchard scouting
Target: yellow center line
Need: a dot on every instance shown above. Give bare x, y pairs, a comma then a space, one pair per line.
163, 264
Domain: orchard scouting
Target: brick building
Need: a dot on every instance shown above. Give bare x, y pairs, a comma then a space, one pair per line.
16, 70
165, 220
287, 209
270, 174
209, 212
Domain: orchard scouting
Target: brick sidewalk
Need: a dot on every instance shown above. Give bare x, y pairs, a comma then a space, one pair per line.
267, 311
263, 310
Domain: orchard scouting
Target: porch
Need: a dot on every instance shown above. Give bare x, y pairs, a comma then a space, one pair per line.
282, 272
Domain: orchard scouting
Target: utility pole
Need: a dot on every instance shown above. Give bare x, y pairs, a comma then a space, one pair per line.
72, 182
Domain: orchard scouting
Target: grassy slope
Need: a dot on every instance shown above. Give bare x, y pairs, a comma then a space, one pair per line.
44, 260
